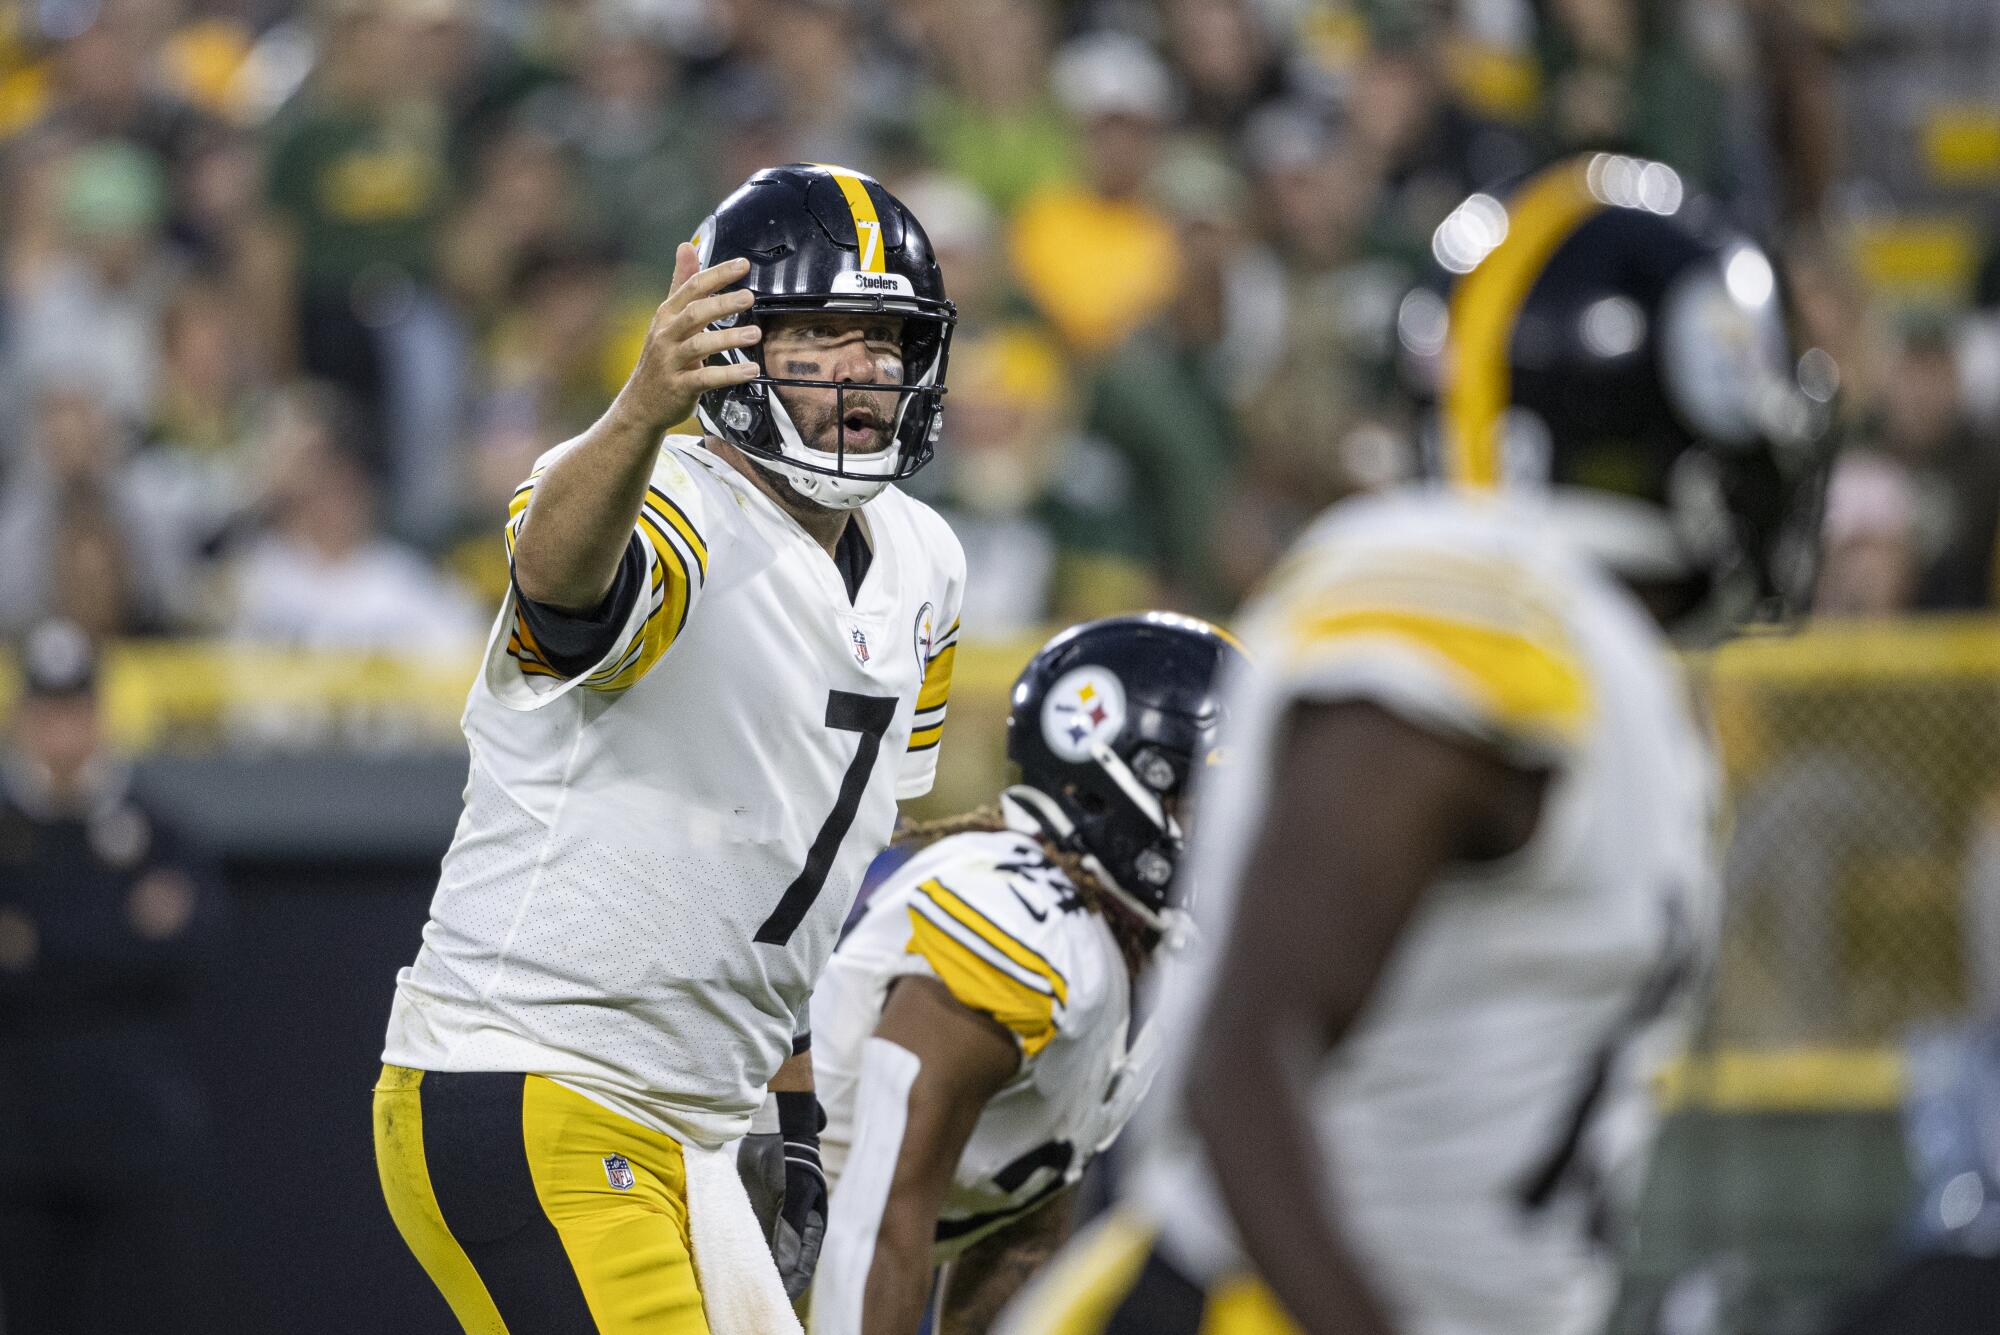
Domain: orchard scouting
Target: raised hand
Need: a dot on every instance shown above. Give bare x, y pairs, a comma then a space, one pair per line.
673, 370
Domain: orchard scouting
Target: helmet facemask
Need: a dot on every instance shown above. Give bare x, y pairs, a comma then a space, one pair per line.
1119, 823
1746, 496
752, 416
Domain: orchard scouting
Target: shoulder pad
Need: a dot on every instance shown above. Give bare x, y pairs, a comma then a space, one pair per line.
1474, 639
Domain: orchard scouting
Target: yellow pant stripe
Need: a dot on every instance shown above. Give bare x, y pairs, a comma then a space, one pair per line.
406, 1186
1079, 1291
631, 1249
1243, 1306
1087, 1288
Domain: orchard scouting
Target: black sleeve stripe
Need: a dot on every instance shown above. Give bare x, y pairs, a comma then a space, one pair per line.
693, 534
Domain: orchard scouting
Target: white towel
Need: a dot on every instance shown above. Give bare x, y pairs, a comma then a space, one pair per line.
740, 1288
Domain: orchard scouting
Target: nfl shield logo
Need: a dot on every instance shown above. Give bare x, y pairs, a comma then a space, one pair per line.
860, 645
618, 1172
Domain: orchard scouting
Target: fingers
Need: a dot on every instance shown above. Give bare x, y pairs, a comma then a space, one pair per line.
705, 378
707, 311
708, 342
709, 280
687, 262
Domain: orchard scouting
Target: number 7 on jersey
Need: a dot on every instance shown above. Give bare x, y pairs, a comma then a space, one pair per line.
846, 711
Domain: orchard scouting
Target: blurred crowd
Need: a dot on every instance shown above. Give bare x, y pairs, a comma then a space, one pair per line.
291, 295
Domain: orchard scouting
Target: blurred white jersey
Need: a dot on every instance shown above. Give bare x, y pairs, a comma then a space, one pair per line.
1489, 1117
1001, 926
656, 855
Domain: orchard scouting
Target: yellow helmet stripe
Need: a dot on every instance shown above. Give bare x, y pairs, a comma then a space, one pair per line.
1543, 214
867, 226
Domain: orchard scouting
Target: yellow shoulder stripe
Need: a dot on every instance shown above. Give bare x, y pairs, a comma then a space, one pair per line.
993, 934
937, 678
666, 529
522, 647
1523, 682
976, 983
673, 587
517, 506
676, 516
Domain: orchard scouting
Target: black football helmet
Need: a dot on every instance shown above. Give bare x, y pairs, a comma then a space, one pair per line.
1107, 722
1598, 336
822, 238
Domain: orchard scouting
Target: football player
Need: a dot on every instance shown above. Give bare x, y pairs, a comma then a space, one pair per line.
723, 660
975, 1030
1463, 855
974, 1034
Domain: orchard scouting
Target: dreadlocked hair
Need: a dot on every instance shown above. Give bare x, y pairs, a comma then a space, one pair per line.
1135, 939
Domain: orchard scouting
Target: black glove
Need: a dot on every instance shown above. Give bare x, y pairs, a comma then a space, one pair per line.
787, 1187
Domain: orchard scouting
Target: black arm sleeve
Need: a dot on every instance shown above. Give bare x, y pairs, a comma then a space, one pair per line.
572, 642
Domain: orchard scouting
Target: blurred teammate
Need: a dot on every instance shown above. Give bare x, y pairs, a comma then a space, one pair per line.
1463, 850
974, 1032
723, 660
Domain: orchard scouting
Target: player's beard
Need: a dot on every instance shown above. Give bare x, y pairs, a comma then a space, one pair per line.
854, 421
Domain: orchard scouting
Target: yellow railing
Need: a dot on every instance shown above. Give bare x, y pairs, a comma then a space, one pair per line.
1862, 762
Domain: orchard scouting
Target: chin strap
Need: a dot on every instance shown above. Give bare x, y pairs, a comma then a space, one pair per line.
1032, 811
828, 493
832, 493
835, 493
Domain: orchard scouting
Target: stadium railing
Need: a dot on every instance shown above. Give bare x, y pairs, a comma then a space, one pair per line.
1862, 790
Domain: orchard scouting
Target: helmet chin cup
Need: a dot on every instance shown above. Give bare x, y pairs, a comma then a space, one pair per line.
829, 493
829, 490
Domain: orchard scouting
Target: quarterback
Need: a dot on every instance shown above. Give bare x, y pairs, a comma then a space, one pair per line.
723, 660
974, 1040
1463, 856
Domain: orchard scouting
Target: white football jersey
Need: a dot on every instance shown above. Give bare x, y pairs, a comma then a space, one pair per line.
656, 855
1489, 1116
1001, 926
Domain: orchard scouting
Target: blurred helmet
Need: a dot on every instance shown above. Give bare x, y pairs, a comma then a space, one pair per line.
1601, 339
1108, 723
823, 238
58, 660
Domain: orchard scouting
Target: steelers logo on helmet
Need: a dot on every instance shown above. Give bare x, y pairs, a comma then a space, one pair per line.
1084, 707
827, 240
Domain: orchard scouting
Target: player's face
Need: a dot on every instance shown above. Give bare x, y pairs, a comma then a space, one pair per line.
59, 733
849, 348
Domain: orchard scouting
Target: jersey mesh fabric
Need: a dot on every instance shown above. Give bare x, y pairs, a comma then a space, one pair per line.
1512, 982
1073, 1092
604, 914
